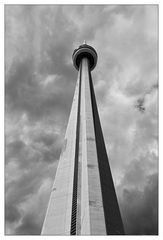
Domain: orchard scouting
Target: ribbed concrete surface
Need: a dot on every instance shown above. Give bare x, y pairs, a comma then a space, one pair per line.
92, 215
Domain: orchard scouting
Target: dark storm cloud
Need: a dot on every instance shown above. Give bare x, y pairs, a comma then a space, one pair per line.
57, 44
88, 19
12, 213
47, 139
47, 54
43, 147
51, 155
140, 105
28, 226
140, 208
25, 185
22, 190
14, 148
24, 93
138, 170
138, 196
31, 161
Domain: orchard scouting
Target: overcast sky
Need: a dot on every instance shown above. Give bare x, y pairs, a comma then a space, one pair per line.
40, 83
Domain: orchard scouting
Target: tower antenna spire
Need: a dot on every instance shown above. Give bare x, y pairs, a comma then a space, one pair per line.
84, 42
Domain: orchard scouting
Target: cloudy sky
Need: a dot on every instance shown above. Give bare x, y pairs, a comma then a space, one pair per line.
40, 83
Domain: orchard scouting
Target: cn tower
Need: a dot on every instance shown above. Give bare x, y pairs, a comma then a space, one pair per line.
83, 200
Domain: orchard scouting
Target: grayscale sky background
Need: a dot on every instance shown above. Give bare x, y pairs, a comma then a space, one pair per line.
40, 83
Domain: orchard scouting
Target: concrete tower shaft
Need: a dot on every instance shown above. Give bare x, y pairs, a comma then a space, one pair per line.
83, 199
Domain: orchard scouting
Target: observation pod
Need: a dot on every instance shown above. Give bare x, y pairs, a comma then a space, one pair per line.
84, 51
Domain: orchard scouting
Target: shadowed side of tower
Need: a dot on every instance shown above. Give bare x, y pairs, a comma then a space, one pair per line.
112, 214
83, 199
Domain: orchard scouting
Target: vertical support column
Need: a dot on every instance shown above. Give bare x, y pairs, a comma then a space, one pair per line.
76, 180
59, 212
85, 214
92, 215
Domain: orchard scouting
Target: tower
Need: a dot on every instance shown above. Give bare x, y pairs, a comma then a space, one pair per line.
83, 199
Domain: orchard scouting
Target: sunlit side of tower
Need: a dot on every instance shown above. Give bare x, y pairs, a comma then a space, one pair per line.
83, 199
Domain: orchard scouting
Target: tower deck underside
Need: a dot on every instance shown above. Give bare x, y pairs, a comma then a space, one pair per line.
83, 199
